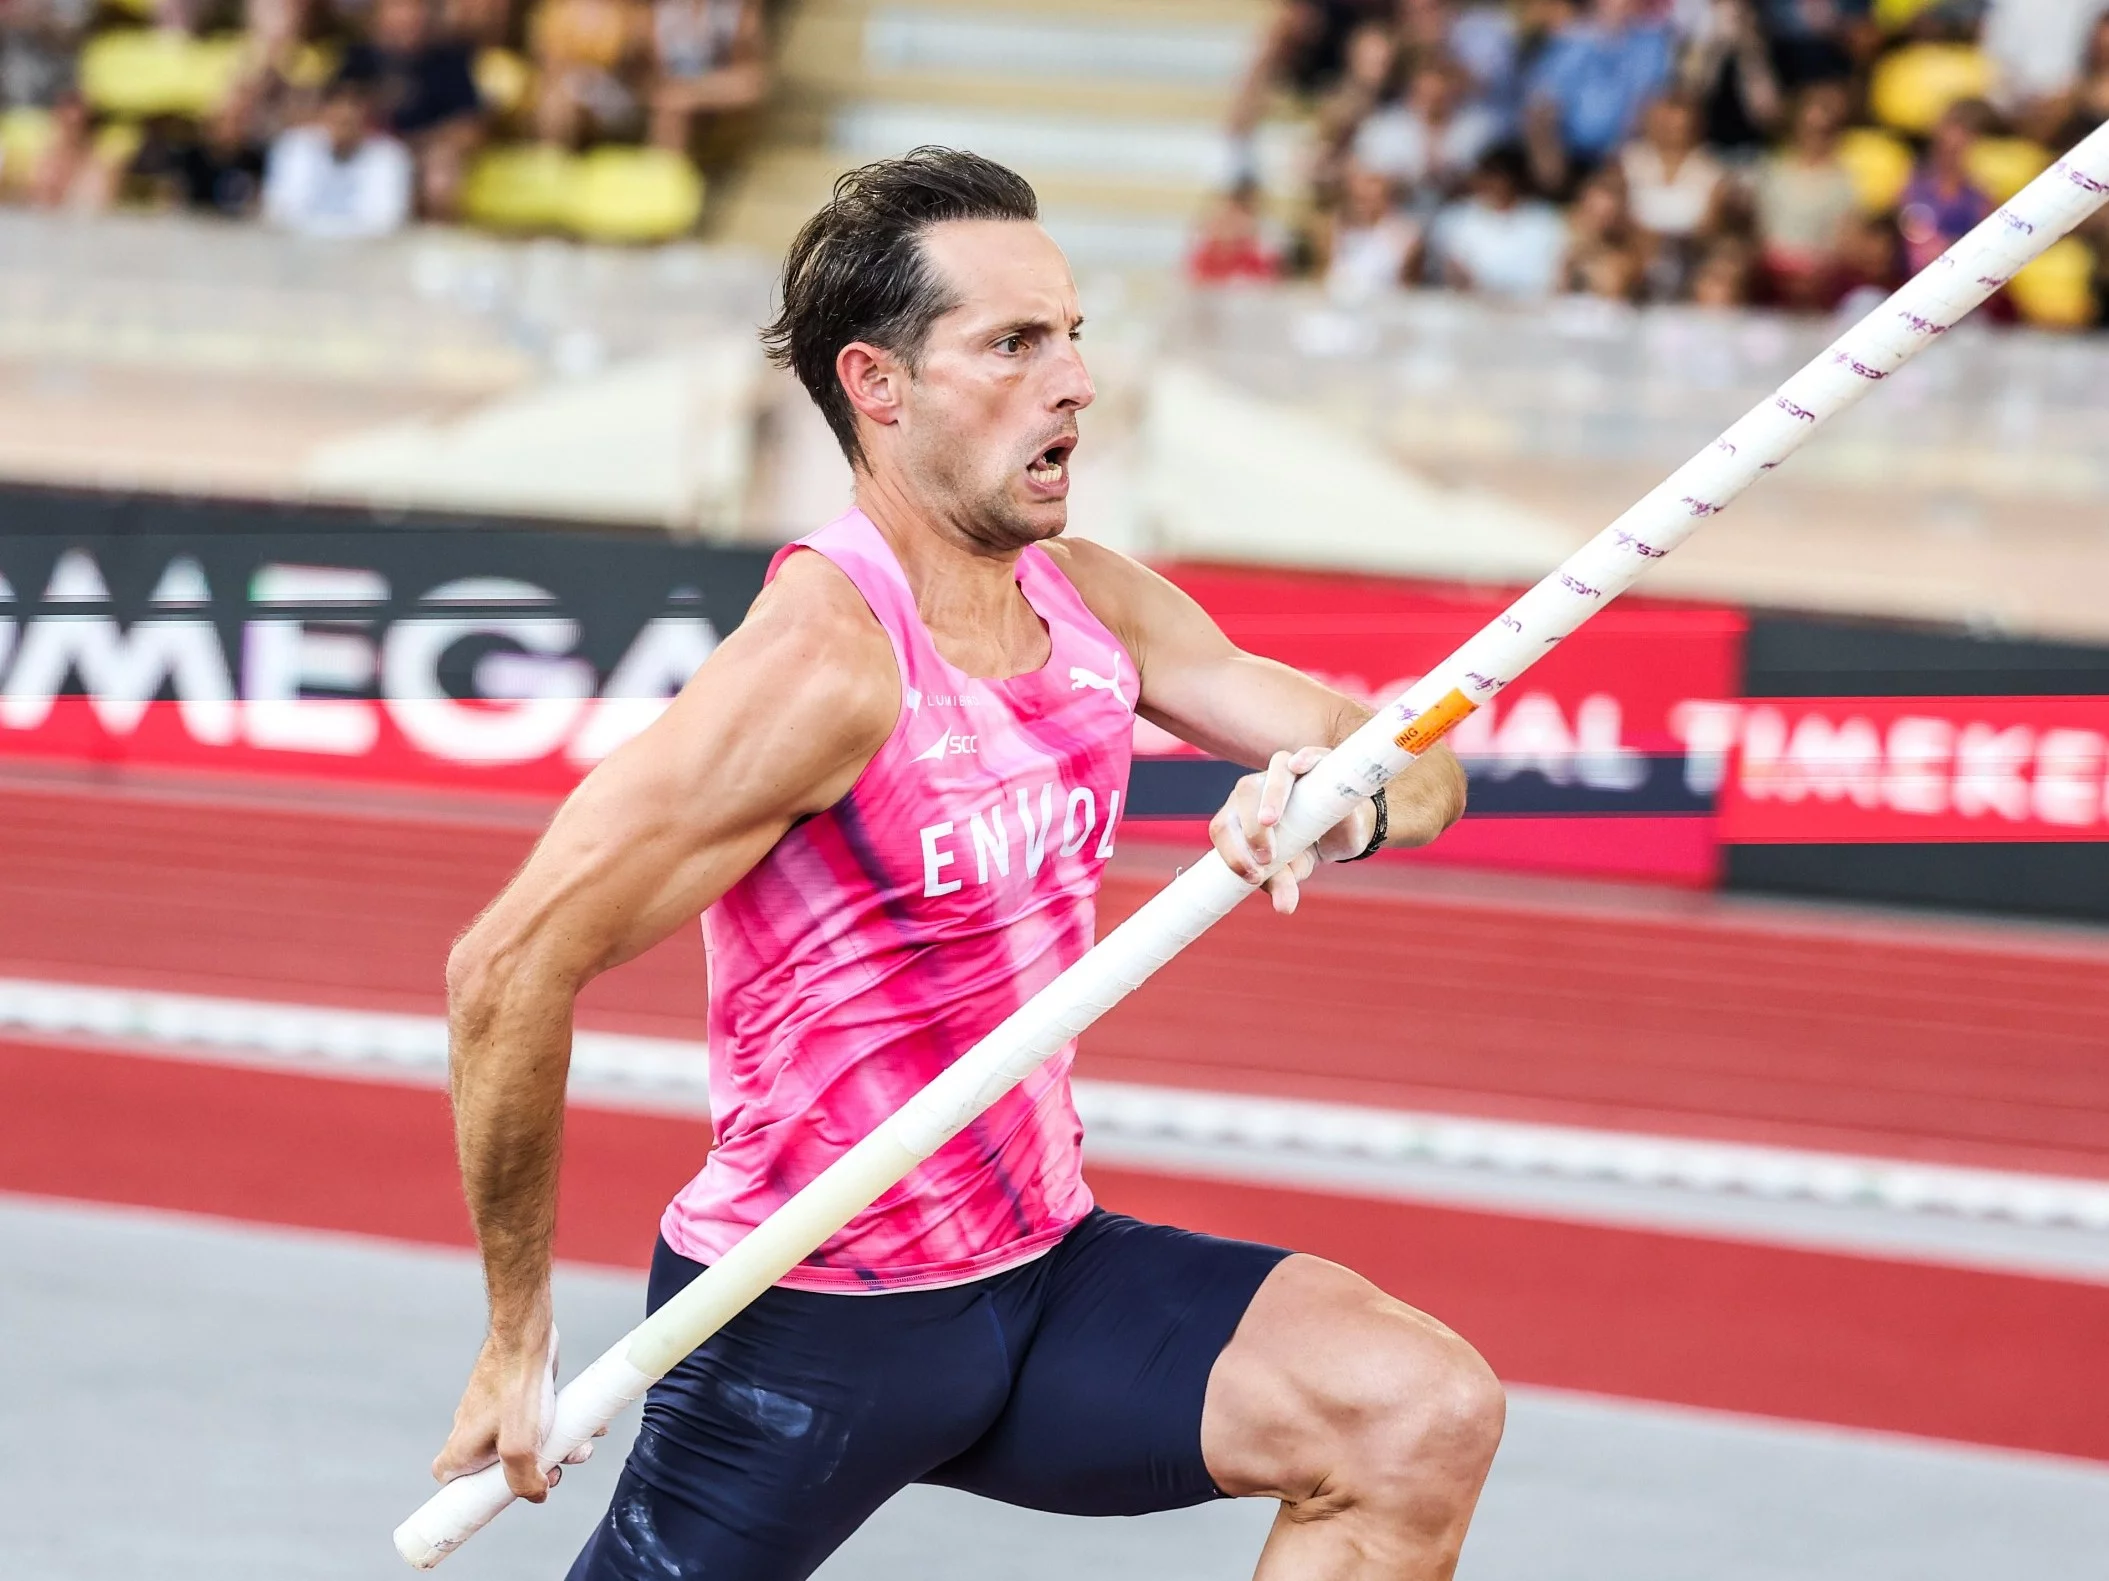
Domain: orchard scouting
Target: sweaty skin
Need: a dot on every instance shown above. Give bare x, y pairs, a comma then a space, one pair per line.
966, 461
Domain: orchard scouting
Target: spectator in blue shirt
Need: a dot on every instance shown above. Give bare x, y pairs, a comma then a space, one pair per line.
1586, 89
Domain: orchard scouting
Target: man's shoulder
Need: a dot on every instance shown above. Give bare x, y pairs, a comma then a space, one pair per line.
1101, 576
1126, 596
812, 607
818, 581
447, 60
1066, 551
381, 152
361, 63
297, 147
810, 661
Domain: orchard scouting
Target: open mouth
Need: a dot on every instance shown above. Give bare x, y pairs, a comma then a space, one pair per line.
1051, 466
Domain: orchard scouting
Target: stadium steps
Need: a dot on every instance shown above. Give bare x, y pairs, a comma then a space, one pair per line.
1136, 224
1593, 1006
1114, 111
1117, 60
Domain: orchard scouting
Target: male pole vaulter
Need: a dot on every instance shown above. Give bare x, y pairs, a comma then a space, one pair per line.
891, 793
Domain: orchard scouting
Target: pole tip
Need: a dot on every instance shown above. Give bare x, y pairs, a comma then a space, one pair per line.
418, 1550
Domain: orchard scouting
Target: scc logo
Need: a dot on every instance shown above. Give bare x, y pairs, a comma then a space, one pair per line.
949, 745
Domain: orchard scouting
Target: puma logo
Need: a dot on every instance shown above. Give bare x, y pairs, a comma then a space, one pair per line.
1080, 679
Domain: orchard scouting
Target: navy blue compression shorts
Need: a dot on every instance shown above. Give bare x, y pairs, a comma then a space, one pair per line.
1073, 1383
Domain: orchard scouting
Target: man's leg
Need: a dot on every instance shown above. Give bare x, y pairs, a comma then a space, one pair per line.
766, 1448
1165, 1368
1371, 1422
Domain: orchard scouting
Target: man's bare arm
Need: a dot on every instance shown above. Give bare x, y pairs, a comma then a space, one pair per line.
776, 726
1204, 689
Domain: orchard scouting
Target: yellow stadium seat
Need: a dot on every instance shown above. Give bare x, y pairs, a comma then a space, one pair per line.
118, 142
524, 187
147, 71
1893, 16
215, 66
1879, 164
1913, 88
25, 134
635, 195
2057, 290
312, 65
2002, 166
133, 71
503, 79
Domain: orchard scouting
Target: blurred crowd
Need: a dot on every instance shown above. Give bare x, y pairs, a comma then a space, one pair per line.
352, 117
1800, 153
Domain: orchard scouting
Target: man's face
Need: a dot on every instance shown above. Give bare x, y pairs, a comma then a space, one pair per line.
1671, 124
986, 425
1434, 93
1494, 188
1366, 198
399, 24
344, 121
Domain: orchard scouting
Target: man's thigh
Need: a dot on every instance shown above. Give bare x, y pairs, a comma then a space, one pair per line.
765, 1449
1326, 1373
1105, 1411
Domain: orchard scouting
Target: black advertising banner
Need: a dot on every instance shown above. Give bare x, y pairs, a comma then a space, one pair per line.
286, 640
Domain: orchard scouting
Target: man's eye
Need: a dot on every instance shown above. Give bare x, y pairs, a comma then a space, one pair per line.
1011, 343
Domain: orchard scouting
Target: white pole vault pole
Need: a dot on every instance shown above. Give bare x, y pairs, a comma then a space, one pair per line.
1925, 307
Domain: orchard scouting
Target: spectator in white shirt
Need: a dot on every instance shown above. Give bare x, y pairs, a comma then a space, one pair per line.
1670, 178
2037, 47
1429, 142
1371, 248
1497, 240
338, 177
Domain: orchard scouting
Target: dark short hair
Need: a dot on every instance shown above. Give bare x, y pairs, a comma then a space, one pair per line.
858, 270
1508, 161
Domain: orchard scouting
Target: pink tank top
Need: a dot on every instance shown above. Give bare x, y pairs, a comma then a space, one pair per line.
880, 940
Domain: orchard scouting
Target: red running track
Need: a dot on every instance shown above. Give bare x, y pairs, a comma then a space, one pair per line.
1681, 1015
1580, 1006
1862, 1342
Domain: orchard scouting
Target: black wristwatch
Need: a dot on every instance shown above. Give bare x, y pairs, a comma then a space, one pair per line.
1376, 839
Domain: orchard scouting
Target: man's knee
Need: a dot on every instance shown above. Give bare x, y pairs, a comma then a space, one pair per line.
1446, 1415
1334, 1397
1417, 1431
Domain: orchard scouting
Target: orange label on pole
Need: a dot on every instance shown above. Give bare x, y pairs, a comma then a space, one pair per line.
1422, 733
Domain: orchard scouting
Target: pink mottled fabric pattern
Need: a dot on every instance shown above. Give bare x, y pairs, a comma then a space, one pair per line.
880, 940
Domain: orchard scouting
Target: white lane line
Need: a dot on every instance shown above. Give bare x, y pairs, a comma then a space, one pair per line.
1130, 1116
308, 1035
1285, 1126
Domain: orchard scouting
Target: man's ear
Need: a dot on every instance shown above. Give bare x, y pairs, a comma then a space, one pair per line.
874, 379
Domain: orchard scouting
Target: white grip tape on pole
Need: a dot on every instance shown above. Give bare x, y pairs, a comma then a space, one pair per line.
1920, 311
463, 1507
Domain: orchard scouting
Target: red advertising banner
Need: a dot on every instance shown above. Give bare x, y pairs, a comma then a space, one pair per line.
1582, 767
1848, 770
